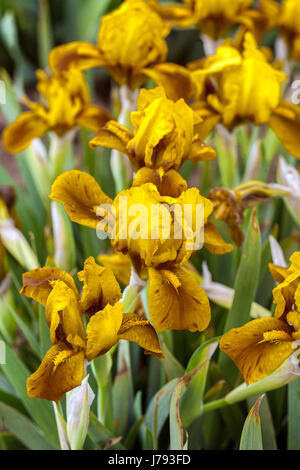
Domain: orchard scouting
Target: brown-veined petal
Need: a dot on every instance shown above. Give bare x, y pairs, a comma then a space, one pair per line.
259, 347
102, 330
37, 283
17, 136
178, 15
138, 330
60, 371
79, 55
209, 119
113, 136
119, 264
201, 152
80, 195
278, 273
169, 183
64, 316
176, 301
100, 287
93, 118
285, 122
295, 260
175, 79
225, 56
214, 242
284, 294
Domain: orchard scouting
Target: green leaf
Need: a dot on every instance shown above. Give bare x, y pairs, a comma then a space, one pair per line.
26, 431
294, 415
26, 330
133, 433
267, 427
172, 366
245, 287
45, 41
12, 400
90, 13
122, 389
101, 435
11, 109
227, 156
148, 443
159, 409
251, 438
9, 33
192, 400
40, 410
176, 429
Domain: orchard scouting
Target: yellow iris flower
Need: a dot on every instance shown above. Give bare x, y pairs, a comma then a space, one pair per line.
176, 300
247, 88
261, 346
288, 15
165, 135
119, 264
62, 368
67, 105
215, 17
130, 39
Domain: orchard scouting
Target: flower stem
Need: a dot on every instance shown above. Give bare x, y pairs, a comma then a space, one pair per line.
214, 405
120, 164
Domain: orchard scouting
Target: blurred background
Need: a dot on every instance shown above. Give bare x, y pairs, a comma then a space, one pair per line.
29, 29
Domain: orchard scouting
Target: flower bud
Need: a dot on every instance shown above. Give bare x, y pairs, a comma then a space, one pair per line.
17, 245
64, 247
79, 401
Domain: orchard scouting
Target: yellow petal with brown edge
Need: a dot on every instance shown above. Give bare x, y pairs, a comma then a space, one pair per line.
80, 195
214, 242
60, 371
178, 15
169, 183
119, 264
113, 136
259, 347
138, 330
209, 120
100, 287
175, 79
278, 273
224, 57
102, 330
146, 97
37, 283
285, 122
295, 260
17, 136
79, 55
284, 294
176, 301
64, 316
93, 118
201, 152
